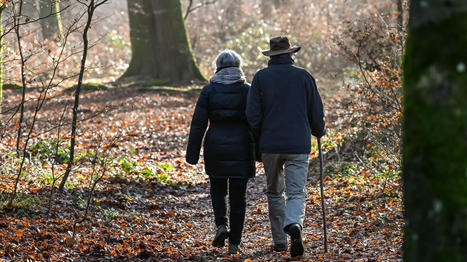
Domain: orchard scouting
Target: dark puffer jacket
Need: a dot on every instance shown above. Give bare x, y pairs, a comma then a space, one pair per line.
229, 150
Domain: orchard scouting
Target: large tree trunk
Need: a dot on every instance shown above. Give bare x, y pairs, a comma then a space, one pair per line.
51, 22
435, 130
159, 42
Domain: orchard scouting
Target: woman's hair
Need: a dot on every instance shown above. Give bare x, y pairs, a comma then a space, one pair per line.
228, 58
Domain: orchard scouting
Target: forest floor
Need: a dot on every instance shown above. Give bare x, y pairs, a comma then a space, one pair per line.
152, 206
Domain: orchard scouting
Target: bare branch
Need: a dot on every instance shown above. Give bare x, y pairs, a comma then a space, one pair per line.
90, 11
190, 8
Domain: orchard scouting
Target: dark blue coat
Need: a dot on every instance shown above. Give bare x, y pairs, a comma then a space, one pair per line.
284, 108
229, 149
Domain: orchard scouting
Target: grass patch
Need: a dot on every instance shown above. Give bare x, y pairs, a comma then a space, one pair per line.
24, 204
109, 216
12, 85
156, 82
191, 91
91, 87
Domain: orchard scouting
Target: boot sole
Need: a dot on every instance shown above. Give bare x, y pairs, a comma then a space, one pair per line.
219, 241
296, 248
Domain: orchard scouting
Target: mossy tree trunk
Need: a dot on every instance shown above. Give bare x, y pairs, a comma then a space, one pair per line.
51, 22
434, 132
159, 42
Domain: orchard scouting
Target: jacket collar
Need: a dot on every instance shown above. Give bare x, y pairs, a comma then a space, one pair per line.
281, 60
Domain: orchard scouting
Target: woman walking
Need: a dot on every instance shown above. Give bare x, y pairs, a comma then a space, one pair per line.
229, 155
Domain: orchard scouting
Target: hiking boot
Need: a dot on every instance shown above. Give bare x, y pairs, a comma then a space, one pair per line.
221, 235
279, 247
296, 243
234, 249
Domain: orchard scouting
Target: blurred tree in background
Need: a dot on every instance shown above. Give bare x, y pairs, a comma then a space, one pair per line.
435, 126
51, 24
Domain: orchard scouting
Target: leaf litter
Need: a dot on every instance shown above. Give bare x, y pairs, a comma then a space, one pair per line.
165, 214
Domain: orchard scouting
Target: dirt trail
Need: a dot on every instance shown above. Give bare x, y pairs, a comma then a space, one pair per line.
146, 219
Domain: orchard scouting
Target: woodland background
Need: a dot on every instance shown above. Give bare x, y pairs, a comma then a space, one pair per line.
97, 83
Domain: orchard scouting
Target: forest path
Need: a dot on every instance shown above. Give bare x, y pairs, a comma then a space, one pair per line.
168, 217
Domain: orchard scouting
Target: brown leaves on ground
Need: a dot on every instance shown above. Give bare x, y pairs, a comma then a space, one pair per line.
159, 218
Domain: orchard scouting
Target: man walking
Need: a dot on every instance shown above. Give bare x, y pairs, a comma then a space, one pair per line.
284, 108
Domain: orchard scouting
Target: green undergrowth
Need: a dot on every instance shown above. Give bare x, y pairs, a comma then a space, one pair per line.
349, 157
91, 87
156, 82
130, 170
173, 90
24, 203
46, 162
11, 85
85, 87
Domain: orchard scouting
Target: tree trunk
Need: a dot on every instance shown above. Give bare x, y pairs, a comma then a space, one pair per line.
51, 22
266, 8
279, 3
159, 42
400, 14
435, 128
91, 8
1, 62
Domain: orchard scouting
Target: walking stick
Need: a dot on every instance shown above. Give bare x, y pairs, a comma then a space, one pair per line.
322, 195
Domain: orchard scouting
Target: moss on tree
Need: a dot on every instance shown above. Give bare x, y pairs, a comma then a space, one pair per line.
142, 52
434, 133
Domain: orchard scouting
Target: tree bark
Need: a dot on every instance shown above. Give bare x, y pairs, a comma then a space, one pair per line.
266, 8
269, 6
1, 62
400, 14
51, 22
160, 46
17, 24
434, 132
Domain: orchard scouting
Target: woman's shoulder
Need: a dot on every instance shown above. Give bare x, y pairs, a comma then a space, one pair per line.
233, 85
241, 85
226, 88
207, 88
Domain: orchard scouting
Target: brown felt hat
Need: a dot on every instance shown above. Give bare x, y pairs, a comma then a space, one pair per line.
280, 45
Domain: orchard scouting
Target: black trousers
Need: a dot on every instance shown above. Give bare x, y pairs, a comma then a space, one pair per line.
237, 201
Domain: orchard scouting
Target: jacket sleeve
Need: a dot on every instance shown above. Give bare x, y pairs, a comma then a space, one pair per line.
316, 112
198, 127
254, 112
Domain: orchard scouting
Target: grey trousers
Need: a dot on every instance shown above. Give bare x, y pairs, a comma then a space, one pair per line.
285, 173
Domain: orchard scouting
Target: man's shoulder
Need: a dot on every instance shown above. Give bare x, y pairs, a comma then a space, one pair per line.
297, 71
301, 70
261, 71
